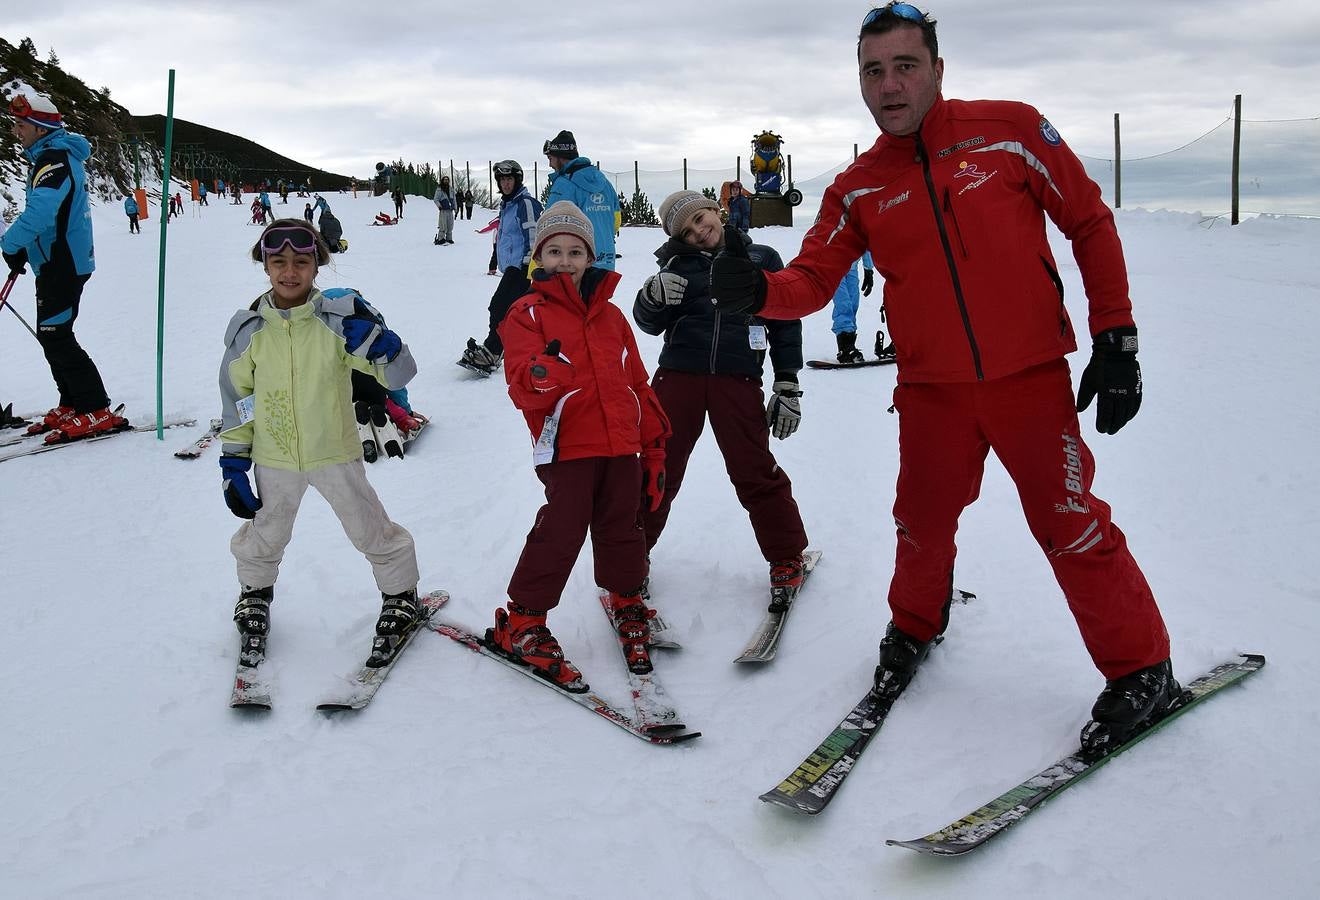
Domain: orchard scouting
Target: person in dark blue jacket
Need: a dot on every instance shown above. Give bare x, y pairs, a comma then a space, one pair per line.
740, 208
54, 236
576, 180
711, 367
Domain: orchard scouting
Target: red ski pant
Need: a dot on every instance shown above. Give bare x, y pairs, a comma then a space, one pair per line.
736, 408
1029, 419
597, 494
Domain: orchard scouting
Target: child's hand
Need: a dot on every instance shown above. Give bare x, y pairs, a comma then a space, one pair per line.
653, 476
549, 371
239, 496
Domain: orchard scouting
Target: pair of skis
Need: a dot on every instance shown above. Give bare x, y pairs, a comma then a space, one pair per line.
810, 787
253, 686
31, 445
654, 721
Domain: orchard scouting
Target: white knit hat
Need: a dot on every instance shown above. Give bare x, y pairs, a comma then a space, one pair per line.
563, 217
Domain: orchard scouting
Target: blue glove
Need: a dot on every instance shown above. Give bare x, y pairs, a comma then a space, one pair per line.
381, 343
239, 496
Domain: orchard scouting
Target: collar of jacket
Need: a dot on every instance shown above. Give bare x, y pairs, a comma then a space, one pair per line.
935, 119
270, 312
597, 286
576, 165
517, 195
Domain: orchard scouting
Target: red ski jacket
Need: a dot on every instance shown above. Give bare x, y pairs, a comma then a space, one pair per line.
954, 217
606, 407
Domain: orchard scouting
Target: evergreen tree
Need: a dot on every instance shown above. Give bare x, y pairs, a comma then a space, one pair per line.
28, 47
643, 213
53, 60
709, 194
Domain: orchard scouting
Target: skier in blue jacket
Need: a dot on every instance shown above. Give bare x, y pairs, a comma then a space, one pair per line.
519, 211
576, 180
131, 210
54, 235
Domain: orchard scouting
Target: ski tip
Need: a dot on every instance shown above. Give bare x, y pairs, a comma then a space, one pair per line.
674, 738
931, 848
774, 798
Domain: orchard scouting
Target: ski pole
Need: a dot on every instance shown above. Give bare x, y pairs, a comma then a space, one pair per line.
4, 301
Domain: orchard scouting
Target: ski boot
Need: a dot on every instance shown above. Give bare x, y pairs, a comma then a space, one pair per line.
1130, 704
51, 420
848, 352
522, 635
479, 359
631, 619
398, 620
786, 577
252, 618
883, 351
900, 655
362, 413
85, 425
9, 420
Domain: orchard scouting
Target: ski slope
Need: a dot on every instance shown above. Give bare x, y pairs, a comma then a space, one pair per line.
126, 775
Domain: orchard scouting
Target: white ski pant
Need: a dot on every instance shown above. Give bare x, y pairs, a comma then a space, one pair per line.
259, 544
446, 225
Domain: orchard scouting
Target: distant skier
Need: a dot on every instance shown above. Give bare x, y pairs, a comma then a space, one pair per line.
446, 204
519, 211
575, 179
131, 210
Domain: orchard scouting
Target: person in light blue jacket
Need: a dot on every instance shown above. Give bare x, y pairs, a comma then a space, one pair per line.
519, 211
131, 210
576, 180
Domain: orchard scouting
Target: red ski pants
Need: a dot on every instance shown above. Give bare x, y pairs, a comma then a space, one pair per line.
1030, 421
597, 494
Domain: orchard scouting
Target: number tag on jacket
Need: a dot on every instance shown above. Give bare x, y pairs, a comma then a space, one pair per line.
756, 337
246, 408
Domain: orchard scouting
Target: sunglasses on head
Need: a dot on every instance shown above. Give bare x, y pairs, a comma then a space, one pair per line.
900, 10
300, 240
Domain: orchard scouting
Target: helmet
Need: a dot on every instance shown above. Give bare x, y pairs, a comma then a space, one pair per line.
507, 167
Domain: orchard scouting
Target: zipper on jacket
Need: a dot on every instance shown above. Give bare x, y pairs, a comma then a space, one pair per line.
293, 399
953, 216
1058, 286
948, 255
714, 341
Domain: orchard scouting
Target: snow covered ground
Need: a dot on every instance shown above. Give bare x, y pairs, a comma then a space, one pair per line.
126, 775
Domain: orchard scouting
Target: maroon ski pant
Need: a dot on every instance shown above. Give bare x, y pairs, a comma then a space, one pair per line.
598, 494
736, 408
1030, 420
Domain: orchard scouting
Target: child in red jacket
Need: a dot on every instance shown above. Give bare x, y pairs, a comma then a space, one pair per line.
573, 368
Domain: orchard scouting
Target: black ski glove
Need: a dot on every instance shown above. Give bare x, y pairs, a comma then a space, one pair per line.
17, 261
1114, 375
868, 281
736, 284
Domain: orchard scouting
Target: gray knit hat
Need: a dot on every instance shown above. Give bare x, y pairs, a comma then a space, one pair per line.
678, 208
563, 217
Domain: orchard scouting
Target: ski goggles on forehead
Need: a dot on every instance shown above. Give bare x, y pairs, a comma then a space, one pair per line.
300, 240
19, 106
900, 10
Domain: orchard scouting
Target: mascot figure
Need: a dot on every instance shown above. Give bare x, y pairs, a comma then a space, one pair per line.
768, 162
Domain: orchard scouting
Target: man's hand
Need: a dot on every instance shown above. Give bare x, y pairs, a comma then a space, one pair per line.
16, 261
1115, 377
736, 284
868, 281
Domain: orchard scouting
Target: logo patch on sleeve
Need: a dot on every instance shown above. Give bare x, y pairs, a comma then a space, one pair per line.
49, 175
1049, 133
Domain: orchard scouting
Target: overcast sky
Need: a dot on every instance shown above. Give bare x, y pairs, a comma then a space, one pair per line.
344, 85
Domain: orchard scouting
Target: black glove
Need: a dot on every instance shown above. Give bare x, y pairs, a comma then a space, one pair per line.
736, 284
868, 281
17, 262
1114, 375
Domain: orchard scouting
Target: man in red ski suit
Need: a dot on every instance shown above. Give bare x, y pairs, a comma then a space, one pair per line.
951, 203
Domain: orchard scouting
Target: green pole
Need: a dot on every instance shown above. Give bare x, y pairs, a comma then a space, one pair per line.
160, 292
